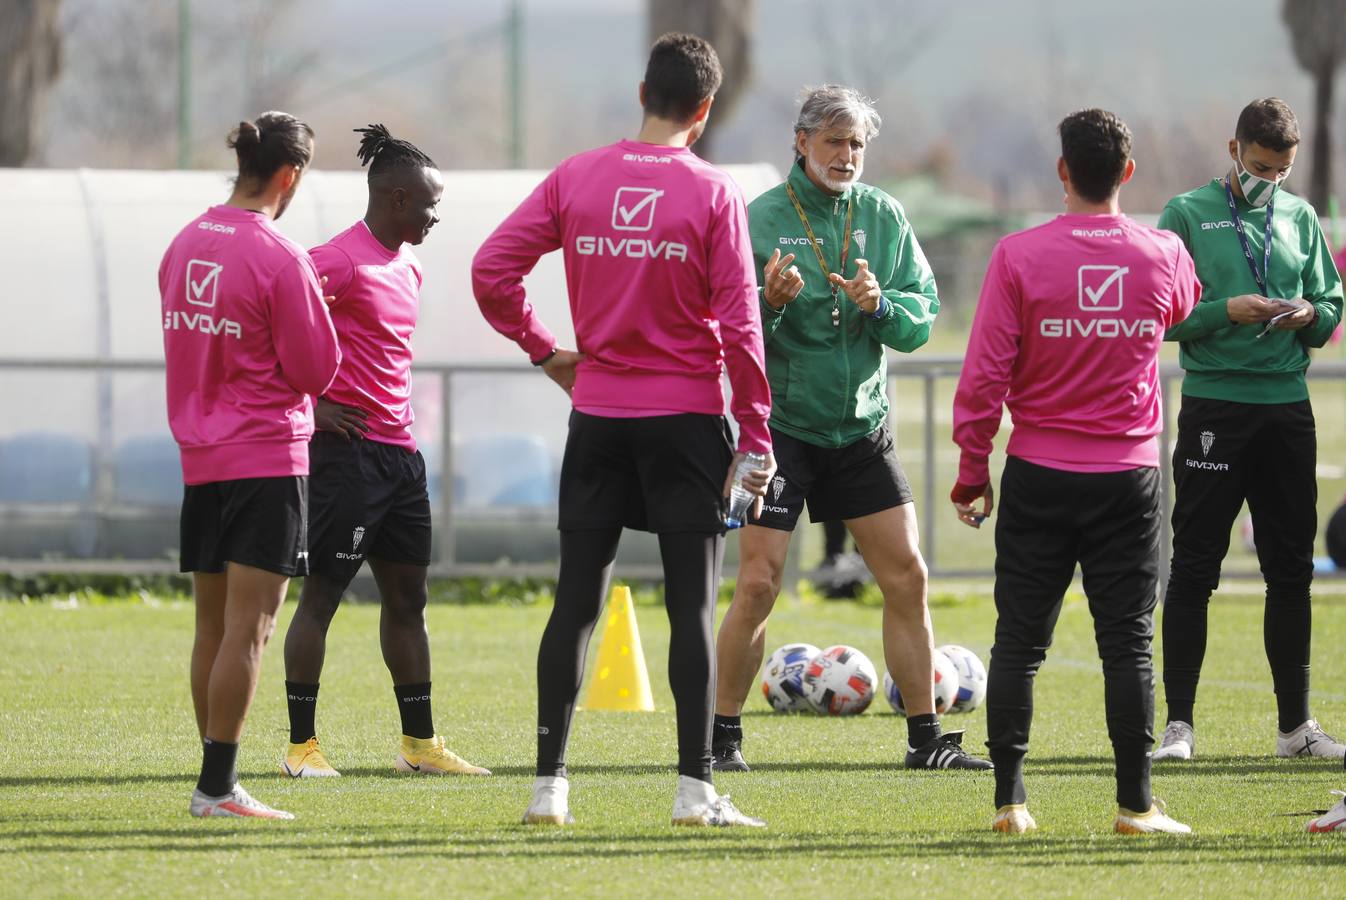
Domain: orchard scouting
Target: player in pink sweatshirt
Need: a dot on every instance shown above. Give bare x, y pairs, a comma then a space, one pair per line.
247, 339
1067, 334
367, 494
663, 296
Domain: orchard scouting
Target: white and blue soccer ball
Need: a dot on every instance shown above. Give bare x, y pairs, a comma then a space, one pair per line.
840, 681
971, 678
783, 677
945, 686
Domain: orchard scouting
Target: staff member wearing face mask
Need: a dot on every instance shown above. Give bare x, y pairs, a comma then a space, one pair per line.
1269, 292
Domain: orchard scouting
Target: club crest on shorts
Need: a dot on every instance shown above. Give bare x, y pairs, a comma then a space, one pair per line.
356, 537
1207, 441
777, 485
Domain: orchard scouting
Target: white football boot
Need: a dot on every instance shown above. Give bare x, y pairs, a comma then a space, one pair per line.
1332, 820
237, 804
697, 803
1013, 818
551, 802
1179, 742
1309, 739
1155, 821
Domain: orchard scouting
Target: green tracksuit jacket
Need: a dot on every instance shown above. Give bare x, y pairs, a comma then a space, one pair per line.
829, 383
1224, 361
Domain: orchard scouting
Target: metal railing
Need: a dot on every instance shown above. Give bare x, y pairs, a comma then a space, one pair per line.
930, 370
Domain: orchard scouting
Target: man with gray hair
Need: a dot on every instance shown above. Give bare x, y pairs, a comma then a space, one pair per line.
862, 285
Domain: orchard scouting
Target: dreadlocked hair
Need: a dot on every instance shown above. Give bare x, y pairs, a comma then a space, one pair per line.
382, 152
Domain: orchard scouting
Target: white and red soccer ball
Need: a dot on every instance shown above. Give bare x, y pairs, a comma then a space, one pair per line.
840, 681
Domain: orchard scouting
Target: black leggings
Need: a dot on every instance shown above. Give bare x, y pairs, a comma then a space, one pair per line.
691, 572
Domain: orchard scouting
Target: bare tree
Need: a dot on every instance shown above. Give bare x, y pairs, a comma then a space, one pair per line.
728, 25
30, 59
863, 59
1318, 35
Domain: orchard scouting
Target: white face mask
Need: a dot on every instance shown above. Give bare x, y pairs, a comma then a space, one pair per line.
1257, 191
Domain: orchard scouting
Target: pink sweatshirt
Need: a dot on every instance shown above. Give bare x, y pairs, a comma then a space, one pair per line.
663, 293
247, 339
1067, 334
377, 293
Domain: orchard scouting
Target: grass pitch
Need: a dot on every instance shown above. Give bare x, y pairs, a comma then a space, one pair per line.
98, 755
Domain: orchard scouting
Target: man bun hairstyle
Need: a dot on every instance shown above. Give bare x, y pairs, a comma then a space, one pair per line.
272, 140
383, 153
1095, 145
836, 105
1269, 122
683, 72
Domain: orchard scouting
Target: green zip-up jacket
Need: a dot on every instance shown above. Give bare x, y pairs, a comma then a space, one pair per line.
829, 383
1224, 361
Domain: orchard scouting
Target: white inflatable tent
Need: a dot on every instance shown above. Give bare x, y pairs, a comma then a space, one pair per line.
85, 445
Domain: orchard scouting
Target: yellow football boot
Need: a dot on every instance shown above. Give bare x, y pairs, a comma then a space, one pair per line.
429, 756
306, 761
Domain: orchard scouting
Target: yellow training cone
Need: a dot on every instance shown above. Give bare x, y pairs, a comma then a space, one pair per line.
620, 680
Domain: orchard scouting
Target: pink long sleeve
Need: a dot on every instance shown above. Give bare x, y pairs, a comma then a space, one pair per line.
663, 294
509, 254
985, 381
1067, 335
733, 282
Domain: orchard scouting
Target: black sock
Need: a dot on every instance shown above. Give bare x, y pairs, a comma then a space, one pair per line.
728, 730
413, 703
921, 730
217, 768
303, 702
1181, 711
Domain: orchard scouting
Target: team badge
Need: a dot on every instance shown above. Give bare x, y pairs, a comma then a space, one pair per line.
1207, 441
777, 485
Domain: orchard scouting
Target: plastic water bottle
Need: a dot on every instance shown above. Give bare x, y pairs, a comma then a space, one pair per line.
740, 498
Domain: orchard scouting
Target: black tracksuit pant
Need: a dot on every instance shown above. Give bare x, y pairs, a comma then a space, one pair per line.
1048, 520
1227, 453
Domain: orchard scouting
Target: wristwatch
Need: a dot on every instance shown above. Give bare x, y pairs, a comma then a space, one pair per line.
544, 360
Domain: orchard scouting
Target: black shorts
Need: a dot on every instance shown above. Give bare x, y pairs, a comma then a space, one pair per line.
663, 474
859, 479
258, 522
368, 499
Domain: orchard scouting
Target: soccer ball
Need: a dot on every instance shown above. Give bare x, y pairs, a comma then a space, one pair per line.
840, 681
945, 685
783, 678
971, 678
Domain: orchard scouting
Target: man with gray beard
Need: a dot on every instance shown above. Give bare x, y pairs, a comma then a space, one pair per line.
861, 285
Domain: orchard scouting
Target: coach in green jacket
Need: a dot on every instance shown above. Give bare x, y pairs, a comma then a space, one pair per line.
842, 279
1246, 430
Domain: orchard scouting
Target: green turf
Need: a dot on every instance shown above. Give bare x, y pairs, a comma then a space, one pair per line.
99, 755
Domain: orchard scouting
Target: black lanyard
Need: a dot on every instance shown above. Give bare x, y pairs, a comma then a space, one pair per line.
1259, 277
